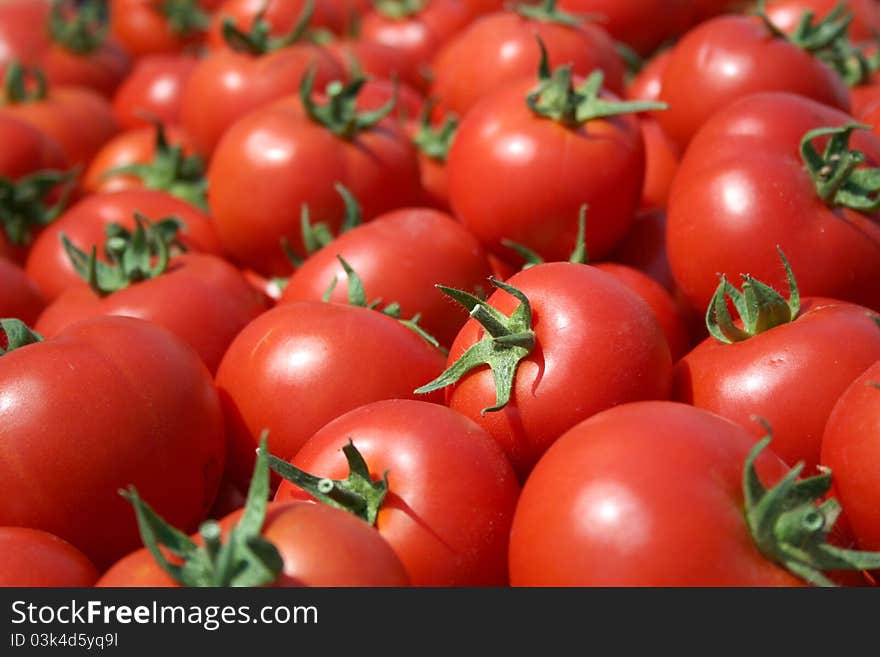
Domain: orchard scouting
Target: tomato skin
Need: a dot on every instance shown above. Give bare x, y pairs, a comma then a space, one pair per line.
451, 490
603, 507
136, 146
662, 157
850, 448
597, 345
281, 15
865, 24
201, 298
85, 224
167, 440
376, 60
23, 36
102, 70
320, 546
500, 48
729, 58
142, 29
275, 160
783, 375
506, 180
742, 189
376, 93
645, 248
400, 257
35, 558
226, 86
154, 88
364, 357
19, 297
648, 84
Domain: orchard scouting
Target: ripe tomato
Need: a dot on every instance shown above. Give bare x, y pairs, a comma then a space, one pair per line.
731, 57
645, 248
376, 60
499, 48
35, 558
146, 27
662, 158
648, 84
615, 485
85, 225
323, 358
865, 14
23, 36
588, 343
400, 256
450, 490
19, 297
131, 405
153, 91
280, 16
850, 449
743, 188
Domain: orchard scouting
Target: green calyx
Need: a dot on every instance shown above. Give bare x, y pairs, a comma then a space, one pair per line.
760, 307
545, 11
791, 529
170, 171
185, 17
15, 334
339, 114
316, 236
245, 559
435, 142
839, 182
555, 97
810, 36
23, 85
22, 203
579, 255
259, 41
399, 9
82, 30
357, 296
507, 341
134, 257
357, 493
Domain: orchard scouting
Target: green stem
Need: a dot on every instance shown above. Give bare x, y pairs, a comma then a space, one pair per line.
15, 334
836, 173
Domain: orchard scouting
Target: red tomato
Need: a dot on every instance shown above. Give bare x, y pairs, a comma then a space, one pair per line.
641, 24
615, 485
153, 91
146, 27
280, 15
408, 107
499, 48
645, 248
865, 14
376, 60
514, 174
200, 298
400, 257
742, 189
23, 36
661, 164
19, 297
850, 448
648, 84
275, 160
731, 57
85, 224
227, 85
131, 405
451, 492
596, 344
35, 558
323, 358
320, 546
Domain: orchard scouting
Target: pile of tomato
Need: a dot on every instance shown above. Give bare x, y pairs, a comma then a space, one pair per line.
439, 293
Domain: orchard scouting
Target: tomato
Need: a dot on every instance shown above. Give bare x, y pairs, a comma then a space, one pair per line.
603, 507
645, 248
516, 173
409, 103
865, 14
400, 256
280, 15
23, 36
272, 162
743, 188
153, 91
228, 84
146, 27
19, 297
80, 54
499, 48
731, 57
849, 448
323, 359
586, 344
132, 404
451, 492
200, 298
662, 157
641, 24
648, 84
35, 558
85, 225
320, 546
376, 60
